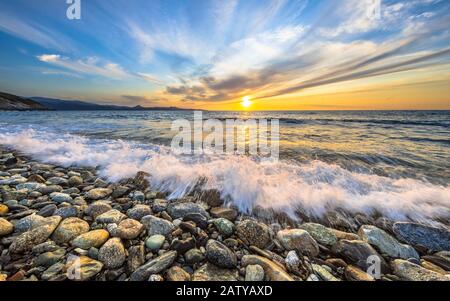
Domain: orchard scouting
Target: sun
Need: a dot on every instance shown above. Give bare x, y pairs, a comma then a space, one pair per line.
246, 102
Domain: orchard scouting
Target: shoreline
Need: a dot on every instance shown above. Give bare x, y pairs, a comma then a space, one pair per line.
53, 219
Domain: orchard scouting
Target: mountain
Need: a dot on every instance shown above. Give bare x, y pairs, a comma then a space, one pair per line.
11, 102
76, 105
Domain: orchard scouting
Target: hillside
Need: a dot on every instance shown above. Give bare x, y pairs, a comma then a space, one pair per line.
9, 102
77, 105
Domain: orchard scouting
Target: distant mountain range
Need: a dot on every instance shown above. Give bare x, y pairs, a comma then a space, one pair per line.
77, 105
11, 102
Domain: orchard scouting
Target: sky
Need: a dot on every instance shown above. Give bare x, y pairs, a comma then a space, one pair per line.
210, 54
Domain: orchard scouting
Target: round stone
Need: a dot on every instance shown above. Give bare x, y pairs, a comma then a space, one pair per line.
112, 254
127, 229
95, 238
194, 256
75, 181
3, 210
97, 208
219, 255
139, 211
98, 193
5, 227
254, 273
224, 226
300, 240
60, 197
68, 229
155, 242
254, 233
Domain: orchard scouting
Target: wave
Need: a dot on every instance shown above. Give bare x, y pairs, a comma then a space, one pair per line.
315, 187
372, 121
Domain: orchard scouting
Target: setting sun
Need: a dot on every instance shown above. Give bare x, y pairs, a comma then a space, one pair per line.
246, 102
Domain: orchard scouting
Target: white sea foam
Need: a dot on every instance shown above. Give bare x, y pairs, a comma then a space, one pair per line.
315, 187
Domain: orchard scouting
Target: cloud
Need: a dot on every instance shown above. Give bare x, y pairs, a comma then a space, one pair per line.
35, 33
291, 58
151, 78
90, 66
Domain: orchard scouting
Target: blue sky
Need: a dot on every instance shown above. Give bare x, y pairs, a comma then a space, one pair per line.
206, 53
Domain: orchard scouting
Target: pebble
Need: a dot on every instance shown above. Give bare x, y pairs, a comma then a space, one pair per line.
224, 226
50, 189
156, 225
126, 229
413, 272
3, 210
154, 266
112, 254
155, 278
60, 197
98, 193
222, 212
97, 208
136, 257
210, 272
5, 227
68, 229
112, 216
300, 240
139, 211
48, 210
357, 252
47, 246
220, 255
386, 244
194, 256
53, 271
66, 212
353, 273
182, 246
254, 273
82, 268
176, 273
179, 210
320, 233
272, 270
160, 205
29, 222
434, 239
57, 181
155, 242
94, 238
75, 181
323, 273
200, 220
48, 259
26, 241
254, 233
138, 196
292, 261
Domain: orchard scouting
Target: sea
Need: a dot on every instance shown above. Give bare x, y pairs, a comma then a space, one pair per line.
390, 163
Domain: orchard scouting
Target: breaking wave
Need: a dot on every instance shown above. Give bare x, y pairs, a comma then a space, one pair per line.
315, 187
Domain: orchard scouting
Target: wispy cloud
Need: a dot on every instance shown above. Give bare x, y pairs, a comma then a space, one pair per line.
35, 33
91, 66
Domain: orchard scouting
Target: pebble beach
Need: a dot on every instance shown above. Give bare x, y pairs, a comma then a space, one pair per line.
69, 224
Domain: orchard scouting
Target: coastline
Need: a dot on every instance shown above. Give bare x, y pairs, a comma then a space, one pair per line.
55, 219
